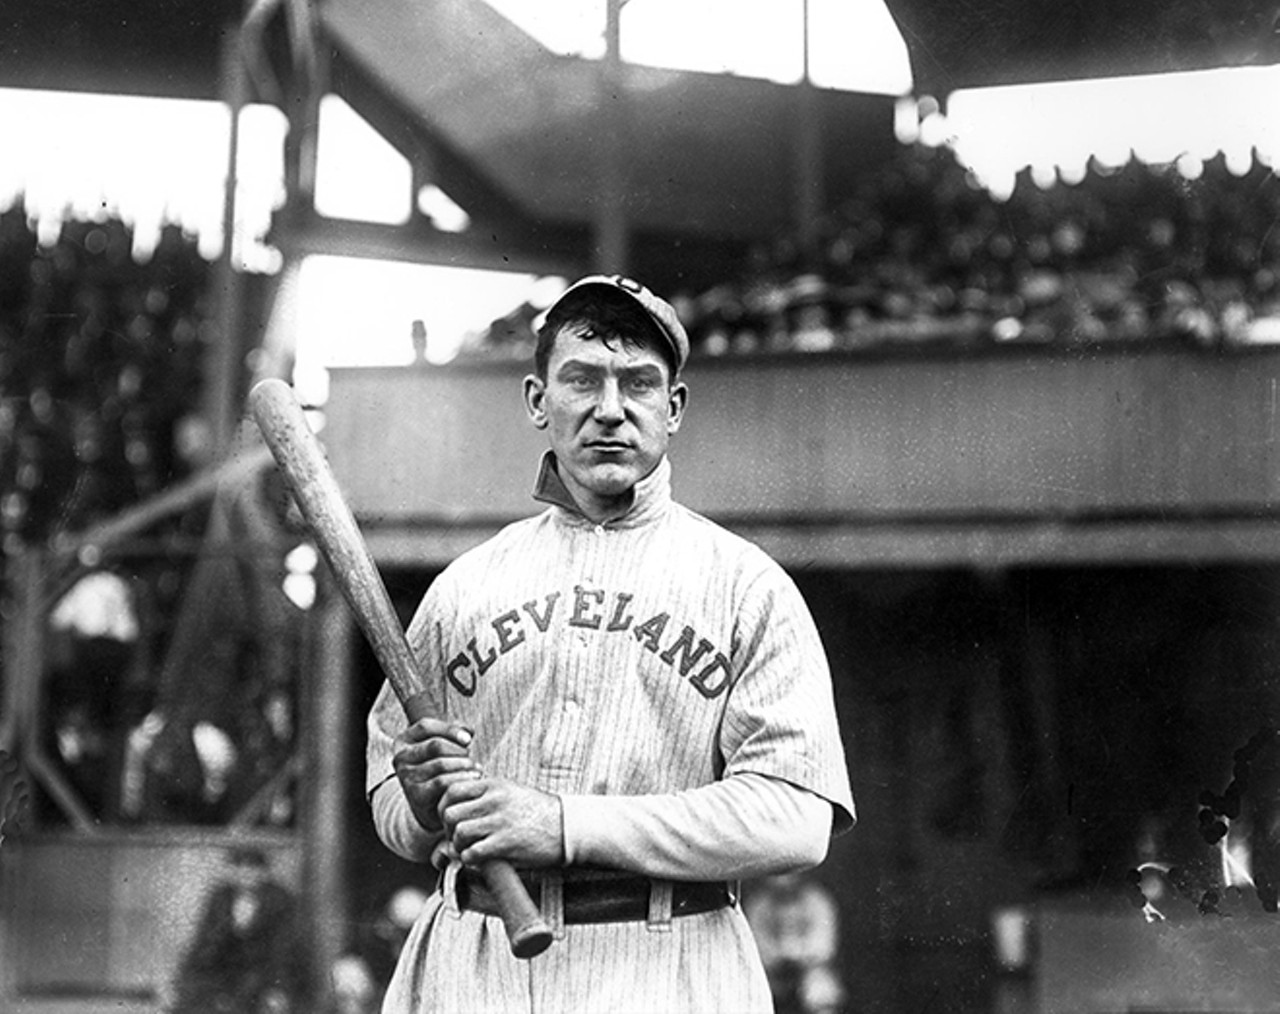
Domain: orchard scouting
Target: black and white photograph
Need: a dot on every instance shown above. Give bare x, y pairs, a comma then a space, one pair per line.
639, 507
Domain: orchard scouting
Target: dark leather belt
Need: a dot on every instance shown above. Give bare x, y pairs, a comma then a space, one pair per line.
603, 897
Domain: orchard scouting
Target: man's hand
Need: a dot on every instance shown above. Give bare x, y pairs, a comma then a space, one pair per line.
490, 818
430, 756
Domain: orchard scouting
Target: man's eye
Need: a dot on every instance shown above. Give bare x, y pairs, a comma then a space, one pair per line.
580, 382
641, 385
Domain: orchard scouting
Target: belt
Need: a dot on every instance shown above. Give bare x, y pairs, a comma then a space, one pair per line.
602, 896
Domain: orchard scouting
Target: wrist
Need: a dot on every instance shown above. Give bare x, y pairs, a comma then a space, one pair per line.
398, 825
427, 817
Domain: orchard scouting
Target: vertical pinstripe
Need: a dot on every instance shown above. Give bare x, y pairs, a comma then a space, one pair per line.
706, 964
654, 654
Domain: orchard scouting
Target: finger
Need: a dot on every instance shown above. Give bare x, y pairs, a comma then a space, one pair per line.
428, 750
421, 772
467, 829
479, 841
425, 797
437, 728
442, 785
462, 804
424, 729
479, 852
465, 791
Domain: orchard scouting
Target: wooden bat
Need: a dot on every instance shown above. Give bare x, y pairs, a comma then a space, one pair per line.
315, 489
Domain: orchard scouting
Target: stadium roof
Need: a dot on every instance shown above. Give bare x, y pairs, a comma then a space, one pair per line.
172, 47
702, 153
511, 130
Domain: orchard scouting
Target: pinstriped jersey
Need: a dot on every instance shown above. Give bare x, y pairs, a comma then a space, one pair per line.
652, 654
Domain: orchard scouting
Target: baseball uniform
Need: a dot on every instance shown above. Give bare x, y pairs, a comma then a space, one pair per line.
656, 659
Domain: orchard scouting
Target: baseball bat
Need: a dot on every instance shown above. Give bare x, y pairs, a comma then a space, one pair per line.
315, 489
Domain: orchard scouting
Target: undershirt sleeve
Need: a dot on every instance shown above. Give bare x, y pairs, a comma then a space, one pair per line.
397, 826
748, 825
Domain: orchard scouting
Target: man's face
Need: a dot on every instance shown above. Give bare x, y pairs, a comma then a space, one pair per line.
609, 411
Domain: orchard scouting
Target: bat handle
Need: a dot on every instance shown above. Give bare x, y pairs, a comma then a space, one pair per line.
527, 931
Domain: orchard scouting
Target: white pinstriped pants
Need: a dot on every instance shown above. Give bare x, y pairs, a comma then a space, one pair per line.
457, 962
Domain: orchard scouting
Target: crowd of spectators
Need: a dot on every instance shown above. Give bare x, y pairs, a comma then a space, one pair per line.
100, 364
168, 695
924, 256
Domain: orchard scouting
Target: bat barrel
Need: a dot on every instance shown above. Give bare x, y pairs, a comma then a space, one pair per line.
315, 489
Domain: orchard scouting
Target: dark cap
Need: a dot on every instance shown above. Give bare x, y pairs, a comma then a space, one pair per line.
661, 312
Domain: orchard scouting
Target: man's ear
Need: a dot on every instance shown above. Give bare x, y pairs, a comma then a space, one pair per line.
677, 402
535, 401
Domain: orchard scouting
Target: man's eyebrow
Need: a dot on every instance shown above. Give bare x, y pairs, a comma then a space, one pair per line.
584, 366
641, 368
579, 364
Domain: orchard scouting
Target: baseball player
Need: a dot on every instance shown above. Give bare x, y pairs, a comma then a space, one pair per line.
634, 709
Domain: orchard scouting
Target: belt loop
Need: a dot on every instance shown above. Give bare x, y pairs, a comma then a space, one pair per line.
449, 888
660, 903
553, 901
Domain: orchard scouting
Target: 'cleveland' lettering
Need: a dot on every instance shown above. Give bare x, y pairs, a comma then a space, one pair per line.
703, 680
618, 621
582, 597
482, 664
684, 645
544, 621
650, 630
593, 610
503, 624
451, 674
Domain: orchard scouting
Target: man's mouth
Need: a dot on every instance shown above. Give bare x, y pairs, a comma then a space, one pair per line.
608, 446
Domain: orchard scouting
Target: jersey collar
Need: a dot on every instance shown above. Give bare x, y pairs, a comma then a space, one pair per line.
652, 494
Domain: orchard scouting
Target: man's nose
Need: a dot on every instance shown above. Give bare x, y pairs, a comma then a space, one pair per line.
609, 403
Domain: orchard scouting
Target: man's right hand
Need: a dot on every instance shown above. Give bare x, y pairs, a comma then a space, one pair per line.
430, 755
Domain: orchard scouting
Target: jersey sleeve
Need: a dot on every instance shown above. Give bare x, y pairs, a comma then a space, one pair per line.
396, 825
780, 719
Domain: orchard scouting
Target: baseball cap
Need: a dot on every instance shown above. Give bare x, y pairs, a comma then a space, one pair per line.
661, 312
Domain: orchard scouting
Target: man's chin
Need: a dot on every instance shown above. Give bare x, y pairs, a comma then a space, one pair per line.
612, 480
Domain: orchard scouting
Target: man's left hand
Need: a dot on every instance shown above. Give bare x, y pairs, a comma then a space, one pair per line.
491, 818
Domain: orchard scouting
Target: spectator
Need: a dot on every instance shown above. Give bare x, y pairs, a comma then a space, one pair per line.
246, 956
796, 926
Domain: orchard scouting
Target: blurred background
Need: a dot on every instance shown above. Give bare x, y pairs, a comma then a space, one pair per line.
985, 307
